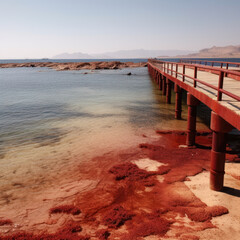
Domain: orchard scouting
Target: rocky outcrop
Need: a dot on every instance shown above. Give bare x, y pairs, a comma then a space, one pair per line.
77, 65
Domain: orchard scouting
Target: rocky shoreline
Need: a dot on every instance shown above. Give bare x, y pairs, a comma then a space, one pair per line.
77, 65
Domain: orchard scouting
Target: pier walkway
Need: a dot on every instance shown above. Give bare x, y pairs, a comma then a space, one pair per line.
221, 64
218, 87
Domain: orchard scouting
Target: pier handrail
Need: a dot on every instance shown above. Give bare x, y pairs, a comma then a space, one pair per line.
221, 72
205, 62
224, 115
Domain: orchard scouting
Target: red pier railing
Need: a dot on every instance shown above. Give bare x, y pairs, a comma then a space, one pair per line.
224, 116
220, 64
172, 69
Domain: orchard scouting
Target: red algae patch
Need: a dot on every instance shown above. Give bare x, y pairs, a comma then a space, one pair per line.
116, 217
217, 210
5, 222
180, 162
71, 227
20, 236
198, 214
153, 227
150, 146
131, 203
189, 237
149, 224
203, 214
103, 234
68, 209
68, 232
130, 171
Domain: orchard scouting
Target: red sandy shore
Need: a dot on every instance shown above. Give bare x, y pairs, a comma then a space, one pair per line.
131, 203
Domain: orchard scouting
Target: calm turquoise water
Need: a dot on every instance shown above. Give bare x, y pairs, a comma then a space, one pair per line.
38, 103
53, 120
33, 100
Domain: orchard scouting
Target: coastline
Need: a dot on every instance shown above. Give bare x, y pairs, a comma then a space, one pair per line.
77, 65
144, 192
145, 187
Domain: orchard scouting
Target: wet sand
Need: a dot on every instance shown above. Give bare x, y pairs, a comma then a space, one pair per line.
155, 190
77, 65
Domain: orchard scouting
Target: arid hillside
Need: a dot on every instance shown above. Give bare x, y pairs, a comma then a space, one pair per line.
216, 52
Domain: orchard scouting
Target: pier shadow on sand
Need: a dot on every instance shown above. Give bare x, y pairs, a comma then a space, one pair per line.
231, 191
200, 146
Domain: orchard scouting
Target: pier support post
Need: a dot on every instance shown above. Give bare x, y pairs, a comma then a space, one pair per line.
178, 102
220, 129
192, 103
160, 82
169, 91
159, 76
164, 86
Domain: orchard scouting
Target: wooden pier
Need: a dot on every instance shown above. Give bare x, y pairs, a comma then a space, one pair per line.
218, 87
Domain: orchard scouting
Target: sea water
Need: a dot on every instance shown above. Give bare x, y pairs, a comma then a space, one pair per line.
51, 121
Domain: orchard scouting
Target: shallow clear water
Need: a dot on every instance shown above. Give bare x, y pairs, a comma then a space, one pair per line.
35, 100
53, 120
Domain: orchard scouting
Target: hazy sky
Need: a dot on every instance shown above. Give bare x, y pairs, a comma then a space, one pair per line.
43, 28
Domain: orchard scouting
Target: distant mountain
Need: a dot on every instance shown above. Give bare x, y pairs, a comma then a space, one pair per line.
216, 52
137, 53
142, 53
77, 55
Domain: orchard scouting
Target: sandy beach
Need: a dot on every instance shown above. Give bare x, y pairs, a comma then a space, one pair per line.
156, 190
